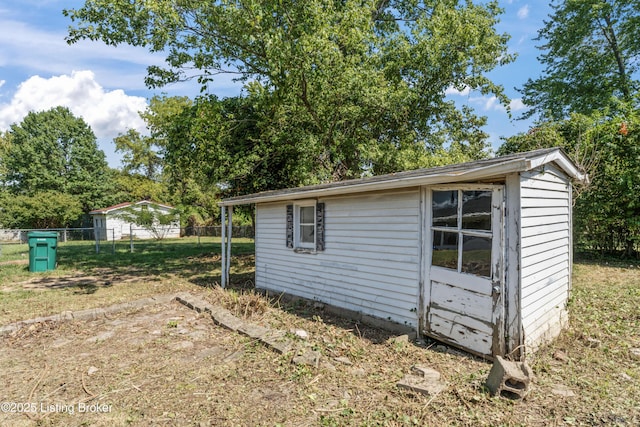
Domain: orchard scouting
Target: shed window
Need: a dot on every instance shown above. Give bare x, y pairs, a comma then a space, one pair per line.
461, 231
305, 226
306, 229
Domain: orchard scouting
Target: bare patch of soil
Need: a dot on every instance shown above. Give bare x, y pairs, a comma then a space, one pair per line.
162, 365
98, 278
167, 365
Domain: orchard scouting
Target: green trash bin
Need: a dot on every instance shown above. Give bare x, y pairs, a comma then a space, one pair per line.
42, 250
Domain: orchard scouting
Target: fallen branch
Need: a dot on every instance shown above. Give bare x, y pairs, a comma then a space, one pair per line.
461, 399
40, 378
358, 329
314, 380
84, 387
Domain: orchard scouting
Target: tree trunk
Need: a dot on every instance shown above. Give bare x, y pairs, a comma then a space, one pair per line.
610, 35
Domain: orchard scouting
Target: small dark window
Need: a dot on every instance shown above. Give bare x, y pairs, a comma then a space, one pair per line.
445, 249
445, 209
476, 210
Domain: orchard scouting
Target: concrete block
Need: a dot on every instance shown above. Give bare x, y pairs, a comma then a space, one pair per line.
277, 341
66, 315
184, 299
89, 314
224, 318
509, 379
309, 358
163, 299
427, 373
8, 329
423, 380
253, 331
194, 303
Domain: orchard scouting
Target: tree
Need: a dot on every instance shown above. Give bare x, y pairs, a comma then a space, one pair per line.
138, 154
5, 143
132, 187
350, 87
45, 209
55, 151
590, 56
183, 178
142, 155
607, 211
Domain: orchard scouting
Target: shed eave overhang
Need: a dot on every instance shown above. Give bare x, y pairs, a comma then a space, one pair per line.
386, 184
479, 170
558, 157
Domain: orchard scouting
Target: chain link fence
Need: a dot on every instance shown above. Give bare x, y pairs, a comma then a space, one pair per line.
14, 243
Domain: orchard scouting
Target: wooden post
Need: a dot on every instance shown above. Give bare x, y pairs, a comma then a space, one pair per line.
223, 243
229, 236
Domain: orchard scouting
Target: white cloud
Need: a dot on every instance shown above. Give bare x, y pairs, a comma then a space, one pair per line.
487, 103
523, 12
2, 82
453, 91
492, 103
23, 46
107, 112
517, 104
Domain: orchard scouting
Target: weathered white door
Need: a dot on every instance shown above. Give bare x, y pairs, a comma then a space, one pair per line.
465, 275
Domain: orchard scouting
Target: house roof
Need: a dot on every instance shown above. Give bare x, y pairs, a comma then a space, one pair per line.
125, 205
480, 169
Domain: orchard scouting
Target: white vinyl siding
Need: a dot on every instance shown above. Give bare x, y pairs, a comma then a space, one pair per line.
114, 227
370, 263
545, 253
374, 250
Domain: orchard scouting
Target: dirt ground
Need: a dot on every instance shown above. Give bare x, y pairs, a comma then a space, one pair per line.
115, 371
165, 364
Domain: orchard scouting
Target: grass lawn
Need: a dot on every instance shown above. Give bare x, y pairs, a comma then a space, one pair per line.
84, 279
160, 380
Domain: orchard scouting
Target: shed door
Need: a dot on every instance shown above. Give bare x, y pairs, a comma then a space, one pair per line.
463, 300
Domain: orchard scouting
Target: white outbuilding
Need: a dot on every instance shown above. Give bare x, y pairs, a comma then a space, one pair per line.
115, 223
477, 255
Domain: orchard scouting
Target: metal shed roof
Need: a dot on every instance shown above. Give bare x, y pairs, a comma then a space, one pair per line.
127, 204
480, 169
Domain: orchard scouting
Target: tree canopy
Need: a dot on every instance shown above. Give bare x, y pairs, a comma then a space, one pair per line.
56, 151
607, 212
590, 53
586, 101
42, 209
138, 154
357, 87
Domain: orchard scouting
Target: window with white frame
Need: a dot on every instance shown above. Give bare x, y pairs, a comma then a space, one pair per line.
462, 230
305, 225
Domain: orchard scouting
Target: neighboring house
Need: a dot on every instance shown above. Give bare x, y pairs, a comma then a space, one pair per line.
111, 223
477, 255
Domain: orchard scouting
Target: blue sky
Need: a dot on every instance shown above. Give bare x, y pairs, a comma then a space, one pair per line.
105, 85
